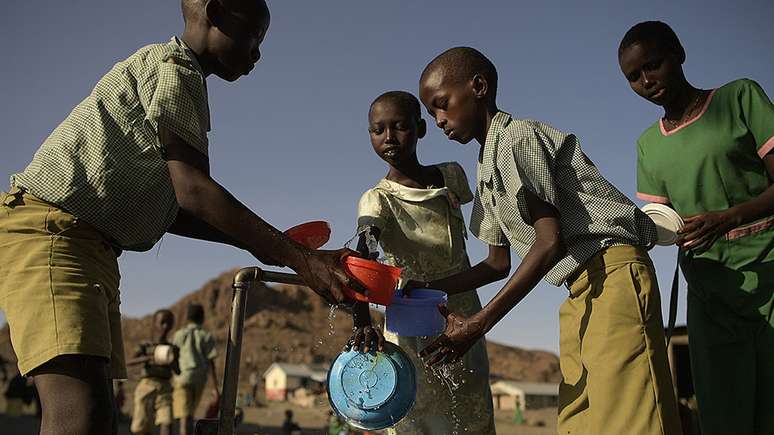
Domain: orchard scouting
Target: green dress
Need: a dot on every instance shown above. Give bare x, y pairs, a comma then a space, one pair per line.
712, 162
423, 232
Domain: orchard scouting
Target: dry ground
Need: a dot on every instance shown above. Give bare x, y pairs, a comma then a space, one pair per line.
267, 420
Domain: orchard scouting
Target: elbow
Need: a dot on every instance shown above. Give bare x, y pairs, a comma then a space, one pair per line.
188, 195
555, 250
500, 268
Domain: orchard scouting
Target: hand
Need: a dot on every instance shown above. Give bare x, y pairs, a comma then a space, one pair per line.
460, 335
368, 336
413, 284
323, 272
701, 231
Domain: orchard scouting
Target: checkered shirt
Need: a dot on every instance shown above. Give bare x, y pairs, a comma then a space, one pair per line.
104, 163
520, 154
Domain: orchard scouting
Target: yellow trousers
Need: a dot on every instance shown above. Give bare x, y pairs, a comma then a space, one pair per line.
613, 358
58, 285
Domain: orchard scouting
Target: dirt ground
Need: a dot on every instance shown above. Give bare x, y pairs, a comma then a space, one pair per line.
267, 420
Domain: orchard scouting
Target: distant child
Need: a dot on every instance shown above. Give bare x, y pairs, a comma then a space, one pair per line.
128, 164
414, 212
197, 361
539, 194
710, 158
290, 427
153, 394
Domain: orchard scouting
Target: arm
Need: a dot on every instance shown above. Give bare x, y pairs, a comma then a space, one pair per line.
364, 332
198, 195
494, 267
188, 225
139, 360
461, 333
701, 231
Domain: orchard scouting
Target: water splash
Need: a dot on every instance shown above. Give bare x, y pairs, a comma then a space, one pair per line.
331, 328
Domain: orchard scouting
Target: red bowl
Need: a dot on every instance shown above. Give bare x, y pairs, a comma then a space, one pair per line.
311, 234
380, 280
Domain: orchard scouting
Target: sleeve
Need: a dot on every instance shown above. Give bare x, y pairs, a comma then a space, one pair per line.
372, 211
758, 114
530, 165
649, 188
178, 102
461, 184
483, 224
177, 339
209, 348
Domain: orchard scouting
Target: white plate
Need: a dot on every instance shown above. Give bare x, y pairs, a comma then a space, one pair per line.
163, 354
667, 221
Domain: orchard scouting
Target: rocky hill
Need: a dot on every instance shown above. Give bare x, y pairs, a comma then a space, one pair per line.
287, 323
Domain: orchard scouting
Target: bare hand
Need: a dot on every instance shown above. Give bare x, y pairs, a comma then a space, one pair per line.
368, 336
411, 285
702, 231
460, 335
323, 272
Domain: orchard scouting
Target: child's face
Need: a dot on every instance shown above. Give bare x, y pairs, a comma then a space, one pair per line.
652, 73
236, 36
454, 106
164, 322
394, 132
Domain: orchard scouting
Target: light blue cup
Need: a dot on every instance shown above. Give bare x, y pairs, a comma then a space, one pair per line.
373, 390
416, 315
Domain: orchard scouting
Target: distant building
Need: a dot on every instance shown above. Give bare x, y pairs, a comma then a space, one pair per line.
529, 395
282, 380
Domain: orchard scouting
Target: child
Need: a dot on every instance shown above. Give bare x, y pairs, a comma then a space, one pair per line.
128, 164
153, 394
538, 193
415, 214
197, 363
710, 158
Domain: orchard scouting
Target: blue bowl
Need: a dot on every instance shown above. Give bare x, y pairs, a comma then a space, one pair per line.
416, 315
373, 390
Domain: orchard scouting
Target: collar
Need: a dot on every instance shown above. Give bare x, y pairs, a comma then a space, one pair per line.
194, 60
488, 156
409, 193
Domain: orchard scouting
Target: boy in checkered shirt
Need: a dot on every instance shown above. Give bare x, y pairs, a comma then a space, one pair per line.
538, 194
127, 165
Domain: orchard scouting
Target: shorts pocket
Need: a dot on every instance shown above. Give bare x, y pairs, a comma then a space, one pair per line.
58, 222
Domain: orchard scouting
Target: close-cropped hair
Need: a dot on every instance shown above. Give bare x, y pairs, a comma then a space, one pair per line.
655, 33
404, 100
195, 313
461, 64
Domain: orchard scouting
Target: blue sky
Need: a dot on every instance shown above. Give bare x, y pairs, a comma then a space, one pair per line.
290, 140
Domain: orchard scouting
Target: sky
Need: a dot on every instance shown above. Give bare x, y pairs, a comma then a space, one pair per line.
290, 140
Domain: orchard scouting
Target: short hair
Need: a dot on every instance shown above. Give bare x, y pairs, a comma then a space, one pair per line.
405, 100
195, 313
656, 33
462, 63
164, 312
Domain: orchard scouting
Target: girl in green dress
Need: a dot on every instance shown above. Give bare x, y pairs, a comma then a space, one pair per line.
710, 158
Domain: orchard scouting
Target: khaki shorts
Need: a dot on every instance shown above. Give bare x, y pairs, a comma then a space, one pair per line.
185, 399
613, 351
58, 285
152, 405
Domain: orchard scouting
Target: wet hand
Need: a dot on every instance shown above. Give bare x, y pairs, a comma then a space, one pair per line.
702, 231
369, 336
411, 285
323, 272
460, 335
